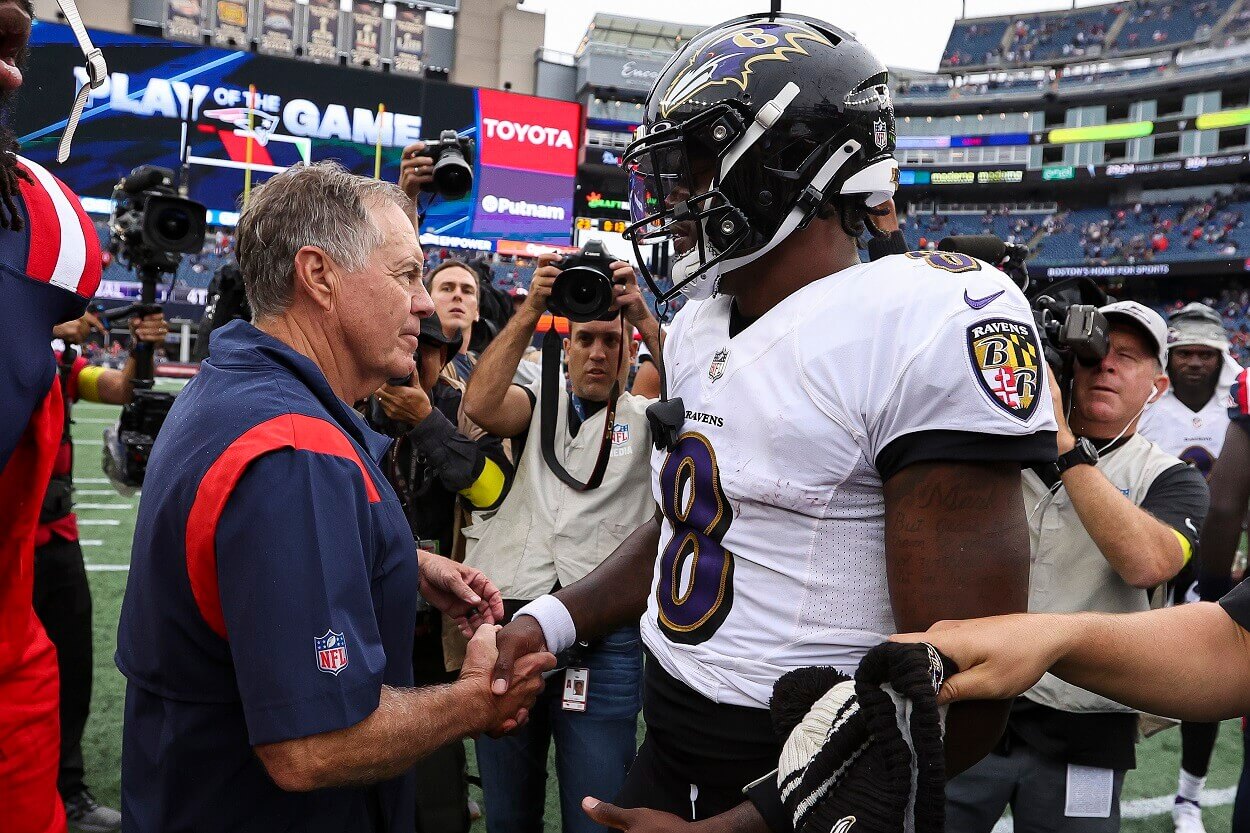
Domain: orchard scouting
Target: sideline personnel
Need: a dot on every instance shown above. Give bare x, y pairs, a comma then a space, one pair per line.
266, 634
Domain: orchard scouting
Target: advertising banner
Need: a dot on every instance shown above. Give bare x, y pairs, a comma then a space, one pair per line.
162, 97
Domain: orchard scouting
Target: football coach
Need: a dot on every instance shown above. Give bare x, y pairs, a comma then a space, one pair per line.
266, 633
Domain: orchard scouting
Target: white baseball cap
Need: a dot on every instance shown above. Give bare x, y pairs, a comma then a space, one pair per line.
1144, 317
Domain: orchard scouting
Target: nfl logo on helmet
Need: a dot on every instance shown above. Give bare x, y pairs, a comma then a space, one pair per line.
331, 652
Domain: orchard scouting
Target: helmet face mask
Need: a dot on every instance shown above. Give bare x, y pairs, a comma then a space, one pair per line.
750, 130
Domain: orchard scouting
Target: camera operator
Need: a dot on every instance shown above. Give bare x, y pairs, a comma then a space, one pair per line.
434, 467
548, 534
62, 595
1112, 519
266, 633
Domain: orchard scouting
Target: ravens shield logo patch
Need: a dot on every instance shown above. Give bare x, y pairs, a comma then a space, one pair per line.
1005, 360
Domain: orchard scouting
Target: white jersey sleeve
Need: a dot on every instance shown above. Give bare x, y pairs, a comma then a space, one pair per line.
951, 370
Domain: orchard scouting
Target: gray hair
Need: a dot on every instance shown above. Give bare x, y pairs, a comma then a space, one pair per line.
322, 205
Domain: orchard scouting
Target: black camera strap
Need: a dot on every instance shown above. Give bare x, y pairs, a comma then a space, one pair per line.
549, 409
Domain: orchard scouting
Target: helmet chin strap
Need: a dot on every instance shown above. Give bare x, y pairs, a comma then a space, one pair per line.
97, 73
796, 217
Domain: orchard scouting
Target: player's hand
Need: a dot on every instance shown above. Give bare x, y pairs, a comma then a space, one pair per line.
462, 592
626, 294
522, 636
406, 403
501, 714
77, 331
415, 169
639, 820
151, 328
540, 285
1064, 437
999, 656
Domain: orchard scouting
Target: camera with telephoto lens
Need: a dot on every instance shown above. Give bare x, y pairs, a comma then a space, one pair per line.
583, 290
453, 165
151, 227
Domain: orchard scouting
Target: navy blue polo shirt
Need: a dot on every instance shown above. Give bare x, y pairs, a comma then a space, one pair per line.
272, 593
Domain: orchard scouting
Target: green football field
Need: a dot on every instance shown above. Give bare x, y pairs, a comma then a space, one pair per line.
107, 524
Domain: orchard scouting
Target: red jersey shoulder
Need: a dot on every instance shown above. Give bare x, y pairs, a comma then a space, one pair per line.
61, 246
1240, 394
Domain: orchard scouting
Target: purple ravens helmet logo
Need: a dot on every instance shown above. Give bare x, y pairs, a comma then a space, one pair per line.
729, 58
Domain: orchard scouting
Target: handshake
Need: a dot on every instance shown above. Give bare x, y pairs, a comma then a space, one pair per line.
475, 605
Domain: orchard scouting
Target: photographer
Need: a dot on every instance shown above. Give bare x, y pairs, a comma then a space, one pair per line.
548, 534
1114, 518
267, 629
437, 470
62, 595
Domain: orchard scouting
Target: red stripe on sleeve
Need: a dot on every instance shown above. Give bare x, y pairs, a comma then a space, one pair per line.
43, 228
1243, 399
303, 433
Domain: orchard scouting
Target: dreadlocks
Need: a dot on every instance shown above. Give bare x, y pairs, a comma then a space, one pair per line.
10, 174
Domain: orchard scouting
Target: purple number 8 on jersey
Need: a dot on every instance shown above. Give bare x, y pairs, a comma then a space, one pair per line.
695, 588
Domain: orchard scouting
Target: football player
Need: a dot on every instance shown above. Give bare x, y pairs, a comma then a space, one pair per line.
1190, 421
845, 460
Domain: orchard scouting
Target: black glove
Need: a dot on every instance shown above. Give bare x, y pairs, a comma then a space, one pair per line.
846, 760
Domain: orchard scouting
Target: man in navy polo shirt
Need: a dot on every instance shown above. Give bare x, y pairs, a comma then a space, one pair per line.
266, 634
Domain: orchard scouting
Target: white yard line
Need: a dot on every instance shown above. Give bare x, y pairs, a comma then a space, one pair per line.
99, 522
88, 442
1140, 808
108, 568
122, 506
91, 481
93, 421
91, 542
94, 492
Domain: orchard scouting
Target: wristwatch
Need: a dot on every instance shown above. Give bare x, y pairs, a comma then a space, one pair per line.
1083, 454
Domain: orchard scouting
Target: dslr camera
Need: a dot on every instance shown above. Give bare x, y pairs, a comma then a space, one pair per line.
453, 165
583, 290
151, 227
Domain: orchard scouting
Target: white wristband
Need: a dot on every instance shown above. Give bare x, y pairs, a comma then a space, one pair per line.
553, 617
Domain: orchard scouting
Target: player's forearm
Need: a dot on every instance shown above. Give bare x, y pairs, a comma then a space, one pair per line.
972, 730
615, 592
653, 337
492, 376
741, 819
408, 724
1190, 662
1140, 548
1220, 533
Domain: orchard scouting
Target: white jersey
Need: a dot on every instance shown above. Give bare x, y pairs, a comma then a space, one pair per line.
1195, 437
772, 550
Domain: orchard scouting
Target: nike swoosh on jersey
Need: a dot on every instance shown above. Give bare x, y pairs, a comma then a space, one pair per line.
978, 303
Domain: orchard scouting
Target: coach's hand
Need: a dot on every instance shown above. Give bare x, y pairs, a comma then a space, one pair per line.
522, 636
460, 591
501, 714
640, 820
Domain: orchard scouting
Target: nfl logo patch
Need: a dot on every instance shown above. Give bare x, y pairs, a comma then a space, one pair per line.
717, 368
331, 652
880, 134
1004, 355
620, 433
